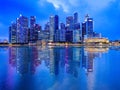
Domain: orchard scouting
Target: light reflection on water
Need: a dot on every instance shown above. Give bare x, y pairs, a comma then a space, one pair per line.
59, 68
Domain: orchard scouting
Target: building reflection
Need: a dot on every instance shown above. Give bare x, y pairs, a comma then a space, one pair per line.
24, 59
89, 54
57, 59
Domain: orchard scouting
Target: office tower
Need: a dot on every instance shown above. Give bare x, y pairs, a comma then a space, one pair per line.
32, 28
62, 32
56, 31
69, 36
47, 27
56, 22
89, 27
28, 34
37, 29
83, 31
32, 21
12, 33
70, 23
22, 29
47, 31
76, 32
69, 29
52, 28
75, 17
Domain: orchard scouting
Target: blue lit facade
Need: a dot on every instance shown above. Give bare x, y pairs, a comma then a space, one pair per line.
70, 23
89, 27
83, 30
12, 33
69, 36
62, 32
52, 28
75, 17
22, 30
32, 28
56, 30
70, 32
37, 28
77, 35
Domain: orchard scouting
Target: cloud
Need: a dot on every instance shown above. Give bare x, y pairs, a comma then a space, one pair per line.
60, 4
69, 5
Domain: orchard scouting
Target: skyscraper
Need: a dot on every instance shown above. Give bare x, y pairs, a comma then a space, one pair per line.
87, 28
47, 26
12, 33
83, 30
76, 32
52, 28
75, 17
32, 28
70, 23
32, 21
56, 31
37, 28
22, 29
62, 32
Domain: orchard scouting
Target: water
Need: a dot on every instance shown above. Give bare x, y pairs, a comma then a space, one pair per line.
59, 68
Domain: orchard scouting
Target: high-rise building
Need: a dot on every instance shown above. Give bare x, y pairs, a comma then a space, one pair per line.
69, 36
56, 31
47, 27
75, 17
77, 33
62, 32
70, 23
12, 33
83, 30
47, 31
32, 28
22, 29
32, 21
56, 20
87, 28
52, 28
37, 28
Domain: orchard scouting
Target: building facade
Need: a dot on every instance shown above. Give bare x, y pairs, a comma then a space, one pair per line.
22, 29
12, 33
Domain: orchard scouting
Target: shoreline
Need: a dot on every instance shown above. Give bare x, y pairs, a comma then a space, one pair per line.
58, 44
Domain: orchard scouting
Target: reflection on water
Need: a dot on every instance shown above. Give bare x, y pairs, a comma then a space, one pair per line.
57, 68
27, 59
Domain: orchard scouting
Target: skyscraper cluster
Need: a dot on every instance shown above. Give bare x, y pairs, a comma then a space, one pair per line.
21, 32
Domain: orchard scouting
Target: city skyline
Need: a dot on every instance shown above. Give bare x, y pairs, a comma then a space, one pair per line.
105, 22
25, 30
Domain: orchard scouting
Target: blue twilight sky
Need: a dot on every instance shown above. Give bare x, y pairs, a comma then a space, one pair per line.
106, 13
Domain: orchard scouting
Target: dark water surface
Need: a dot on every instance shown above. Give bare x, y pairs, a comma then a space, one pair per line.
59, 68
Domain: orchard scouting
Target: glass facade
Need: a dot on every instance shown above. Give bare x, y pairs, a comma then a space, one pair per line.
22, 30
